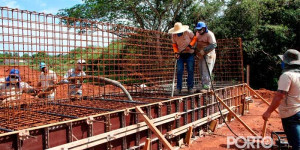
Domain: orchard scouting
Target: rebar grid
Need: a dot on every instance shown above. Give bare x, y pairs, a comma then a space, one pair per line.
229, 65
141, 60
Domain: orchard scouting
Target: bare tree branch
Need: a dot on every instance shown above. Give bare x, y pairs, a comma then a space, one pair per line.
138, 17
155, 10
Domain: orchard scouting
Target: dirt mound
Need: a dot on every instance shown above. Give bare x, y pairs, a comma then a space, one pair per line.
267, 94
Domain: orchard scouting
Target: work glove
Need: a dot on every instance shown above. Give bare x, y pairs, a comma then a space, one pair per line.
187, 48
177, 55
202, 52
33, 92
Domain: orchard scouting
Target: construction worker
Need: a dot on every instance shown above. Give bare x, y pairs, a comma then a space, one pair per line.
184, 53
12, 87
74, 78
287, 97
206, 44
47, 82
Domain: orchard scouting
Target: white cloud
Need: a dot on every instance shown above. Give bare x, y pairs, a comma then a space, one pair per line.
10, 3
79, 1
51, 11
43, 4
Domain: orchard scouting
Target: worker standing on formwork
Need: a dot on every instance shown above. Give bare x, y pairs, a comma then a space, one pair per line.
11, 88
206, 44
47, 82
287, 97
182, 46
74, 77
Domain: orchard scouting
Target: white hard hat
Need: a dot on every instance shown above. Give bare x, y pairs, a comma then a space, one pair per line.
81, 61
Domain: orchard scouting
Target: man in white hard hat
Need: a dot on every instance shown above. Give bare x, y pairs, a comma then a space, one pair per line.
74, 78
47, 81
287, 97
182, 46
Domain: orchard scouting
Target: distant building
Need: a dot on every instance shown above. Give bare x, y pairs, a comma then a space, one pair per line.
13, 61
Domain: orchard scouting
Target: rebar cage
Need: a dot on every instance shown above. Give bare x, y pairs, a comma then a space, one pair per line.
141, 60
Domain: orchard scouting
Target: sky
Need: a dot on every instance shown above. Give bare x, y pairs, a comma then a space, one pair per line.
46, 6
31, 36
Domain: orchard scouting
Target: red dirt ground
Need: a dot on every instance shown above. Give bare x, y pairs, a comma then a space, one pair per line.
253, 119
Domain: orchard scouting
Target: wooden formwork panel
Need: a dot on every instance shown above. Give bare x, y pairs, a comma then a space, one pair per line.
192, 109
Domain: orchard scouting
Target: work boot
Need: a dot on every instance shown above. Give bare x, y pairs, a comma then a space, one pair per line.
205, 89
190, 91
177, 92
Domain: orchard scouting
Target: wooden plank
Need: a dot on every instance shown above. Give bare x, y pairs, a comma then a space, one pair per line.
265, 101
213, 125
147, 144
240, 120
229, 117
189, 135
115, 134
264, 129
199, 122
154, 129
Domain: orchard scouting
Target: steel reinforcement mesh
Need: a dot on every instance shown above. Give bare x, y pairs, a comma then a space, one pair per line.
228, 69
141, 60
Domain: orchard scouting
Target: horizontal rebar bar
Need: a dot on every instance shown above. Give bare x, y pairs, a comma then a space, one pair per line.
6, 130
103, 109
50, 113
124, 101
158, 98
55, 114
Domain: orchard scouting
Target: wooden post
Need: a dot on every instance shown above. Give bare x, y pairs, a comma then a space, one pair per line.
189, 135
154, 129
264, 129
259, 96
240, 120
213, 125
147, 144
248, 75
229, 117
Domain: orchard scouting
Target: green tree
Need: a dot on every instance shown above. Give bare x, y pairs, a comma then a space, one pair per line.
147, 14
26, 56
268, 28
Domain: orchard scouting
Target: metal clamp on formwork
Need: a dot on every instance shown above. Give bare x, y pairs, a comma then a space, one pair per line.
160, 104
24, 135
127, 112
90, 120
170, 135
177, 116
209, 118
180, 100
111, 137
249, 99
